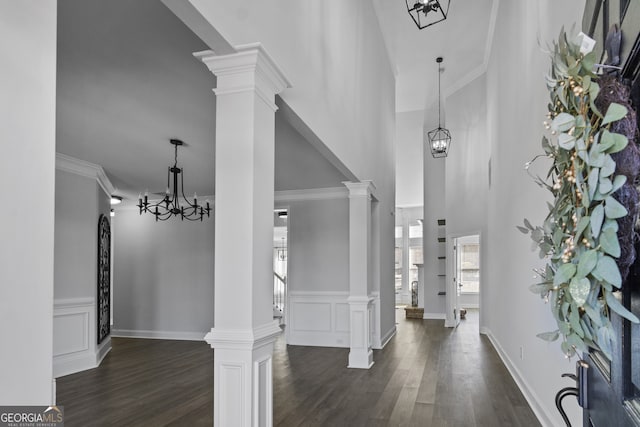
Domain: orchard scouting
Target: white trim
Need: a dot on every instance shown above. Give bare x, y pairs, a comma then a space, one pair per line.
472, 305
387, 337
312, 194
482, 68
90, 170
531, 397
157, 335
434, 316
330, 329
74, 332
244, 339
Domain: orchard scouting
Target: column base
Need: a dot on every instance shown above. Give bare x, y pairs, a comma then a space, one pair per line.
243, 375
359, 359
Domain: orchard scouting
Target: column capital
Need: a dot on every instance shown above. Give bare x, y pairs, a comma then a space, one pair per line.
250, 68
364, 188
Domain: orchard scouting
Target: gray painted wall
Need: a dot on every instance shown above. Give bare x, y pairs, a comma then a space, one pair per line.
319, 245
163, 274
76, 228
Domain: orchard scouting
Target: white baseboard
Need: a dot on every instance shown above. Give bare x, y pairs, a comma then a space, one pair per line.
434, 316
527, 391
387, 337
475, 306
158, 335
72, 363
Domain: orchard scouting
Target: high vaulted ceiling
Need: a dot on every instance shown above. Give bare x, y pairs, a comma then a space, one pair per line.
127, 83
462, 40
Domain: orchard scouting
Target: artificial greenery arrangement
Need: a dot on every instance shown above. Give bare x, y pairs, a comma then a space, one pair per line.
593, 199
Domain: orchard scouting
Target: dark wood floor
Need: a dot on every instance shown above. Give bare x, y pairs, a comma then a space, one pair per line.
426, 376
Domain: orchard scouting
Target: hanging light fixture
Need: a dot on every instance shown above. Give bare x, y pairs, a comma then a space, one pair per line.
439, 139
170, 205
428, 12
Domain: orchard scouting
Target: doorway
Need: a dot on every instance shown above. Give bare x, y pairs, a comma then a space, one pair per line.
280, 265
463, 293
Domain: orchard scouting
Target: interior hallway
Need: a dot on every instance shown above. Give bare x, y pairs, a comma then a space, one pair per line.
427, 375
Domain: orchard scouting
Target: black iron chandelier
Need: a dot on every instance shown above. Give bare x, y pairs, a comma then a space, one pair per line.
170, 205
427, 12
439, 139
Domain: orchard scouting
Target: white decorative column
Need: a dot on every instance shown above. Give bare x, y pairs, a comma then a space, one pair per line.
244, 329
360, 272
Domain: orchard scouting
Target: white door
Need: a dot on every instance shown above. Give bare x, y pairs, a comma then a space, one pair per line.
453, 284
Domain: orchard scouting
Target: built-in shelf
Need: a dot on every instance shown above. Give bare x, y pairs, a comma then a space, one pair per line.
442, 275
442, 257
441, 293
442, 222
442, 239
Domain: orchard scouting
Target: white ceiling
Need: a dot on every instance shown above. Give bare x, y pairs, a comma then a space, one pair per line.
461, 40
127, 83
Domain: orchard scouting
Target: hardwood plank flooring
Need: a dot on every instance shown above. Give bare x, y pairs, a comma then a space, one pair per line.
426, 376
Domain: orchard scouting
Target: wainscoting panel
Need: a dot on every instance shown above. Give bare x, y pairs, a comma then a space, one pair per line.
74, 336
318, 319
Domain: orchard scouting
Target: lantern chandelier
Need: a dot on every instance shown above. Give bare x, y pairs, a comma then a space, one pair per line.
439, 139
427, 12
170, 205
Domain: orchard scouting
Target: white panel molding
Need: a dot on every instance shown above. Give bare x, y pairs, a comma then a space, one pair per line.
74, 337
528, 392
158, 335
312, 194
325, 326
90, 170
434, 316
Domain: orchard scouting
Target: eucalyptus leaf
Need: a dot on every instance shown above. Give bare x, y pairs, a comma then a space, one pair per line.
566, 141
608, 168
594, 176
540, 288
605, 141
605, 185
549, 336
618, 182
587, 263
564, 273
522, 229
608, 270
586, 328
596, 158
582, 225
528, 224
610, 224
620, 142
609, 242
593, 314
604, 340
617, 306
563, 122
564, 328
576, 340
579, 290
614, 113
574, 321
597, 216
614, 209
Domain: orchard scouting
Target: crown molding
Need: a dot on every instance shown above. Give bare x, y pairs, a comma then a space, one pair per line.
83, 168
482, 68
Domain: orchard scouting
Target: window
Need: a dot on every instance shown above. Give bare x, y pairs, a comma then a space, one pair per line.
470, 268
